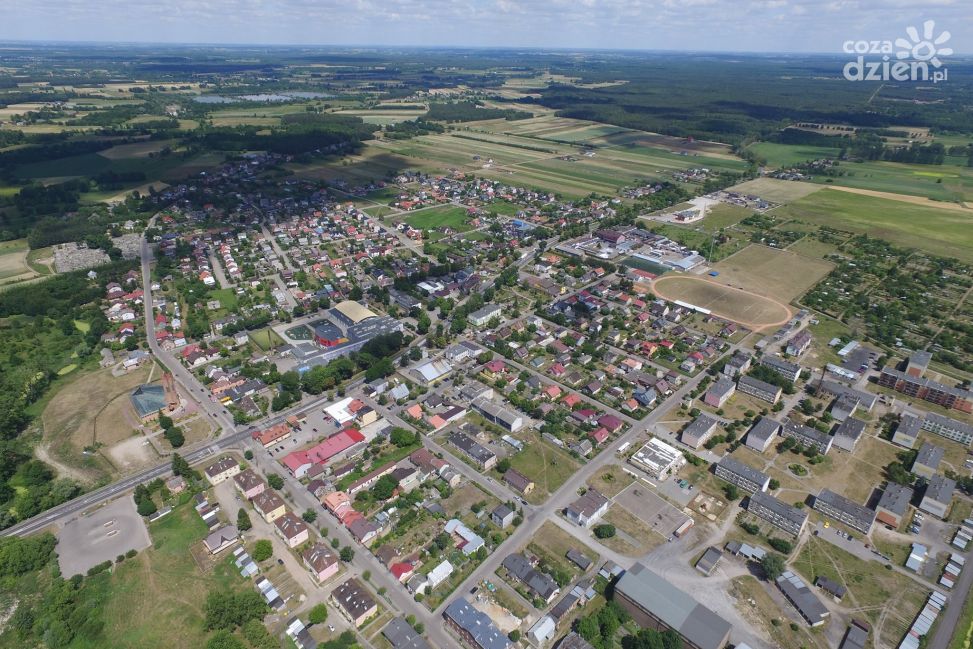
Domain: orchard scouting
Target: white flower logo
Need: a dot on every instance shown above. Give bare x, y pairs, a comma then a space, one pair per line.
925, 48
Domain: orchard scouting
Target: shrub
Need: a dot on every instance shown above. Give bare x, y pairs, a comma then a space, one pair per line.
263, 550
604, 531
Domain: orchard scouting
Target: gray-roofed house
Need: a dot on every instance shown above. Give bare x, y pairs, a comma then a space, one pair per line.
928, 460
473, 626
938, 496
844, 510
803, 599
763, 433
401, 635
893, 504
578, 558
655, 603
502, 516
741, 475
481, 455
907, 432
848, 434
538, 583
587, 509
708, 562
574, 641
777, 512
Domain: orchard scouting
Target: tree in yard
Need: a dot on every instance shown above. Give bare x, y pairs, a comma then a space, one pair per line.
384, 487
514, 635
402, 437
318, 614
347, 554
731, 492
773, 565
275, 481
165, 422
223, 639
310, 516
503, 465
243, 520
180, 466
174, 436
263, 550
604, 531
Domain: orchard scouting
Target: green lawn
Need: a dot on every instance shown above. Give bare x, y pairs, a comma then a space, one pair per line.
549, 467
450, 216
944, 232
227, 297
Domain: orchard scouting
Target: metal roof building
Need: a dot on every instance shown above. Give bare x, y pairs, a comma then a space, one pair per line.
655, 603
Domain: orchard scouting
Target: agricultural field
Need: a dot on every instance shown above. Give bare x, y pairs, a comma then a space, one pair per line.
777, 191
736, 304
787, 155
940, 230
779, 274
946, 182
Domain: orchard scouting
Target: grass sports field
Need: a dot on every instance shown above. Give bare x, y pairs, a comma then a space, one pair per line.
939, 231
751, 310
779, 274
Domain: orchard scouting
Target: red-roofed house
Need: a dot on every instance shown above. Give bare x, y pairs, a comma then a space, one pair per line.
599, 436
611, 422
402, 571
571, 400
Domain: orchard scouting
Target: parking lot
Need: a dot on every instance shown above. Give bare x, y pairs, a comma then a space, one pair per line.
100, 536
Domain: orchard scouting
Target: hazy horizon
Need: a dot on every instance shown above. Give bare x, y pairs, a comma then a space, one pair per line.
704, 26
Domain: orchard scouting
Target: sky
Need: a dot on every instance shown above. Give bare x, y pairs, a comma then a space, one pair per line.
694, 25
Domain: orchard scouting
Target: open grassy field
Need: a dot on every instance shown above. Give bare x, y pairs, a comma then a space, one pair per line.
751, 310
549, 466
444, 216
756, 605
944, 232
92, 411
788, 155
164, 579
887, 599
552, 543
779, 274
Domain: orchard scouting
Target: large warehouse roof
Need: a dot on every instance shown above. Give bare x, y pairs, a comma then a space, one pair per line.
354, 311
678, 610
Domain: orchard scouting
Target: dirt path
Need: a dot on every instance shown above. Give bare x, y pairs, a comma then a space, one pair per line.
905, 198
62, 469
